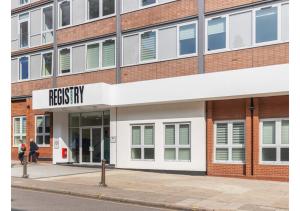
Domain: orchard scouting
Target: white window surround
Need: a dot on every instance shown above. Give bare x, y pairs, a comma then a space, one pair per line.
177, 146
229, 144
142, 146
145, 7
22, 80
42, 23
178, 56
253, 42
140, 47
43, 133
277, 144
29, 1
21, 126
42, 53
58, 11
58, 61
19, 33
87, 20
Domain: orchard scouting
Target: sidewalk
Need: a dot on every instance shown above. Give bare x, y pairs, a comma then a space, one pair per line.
169, 190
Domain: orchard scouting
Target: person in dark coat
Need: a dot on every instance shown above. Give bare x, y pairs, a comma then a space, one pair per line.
33, 151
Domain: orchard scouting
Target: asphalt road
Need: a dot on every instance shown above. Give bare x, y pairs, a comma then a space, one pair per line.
28, 200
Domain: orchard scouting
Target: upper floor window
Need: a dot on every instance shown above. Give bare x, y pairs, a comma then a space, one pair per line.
65, 60
108, 53
42, 130
108, 7
46, 64
47, 24
148, 46
22, 2
23, 68
216, 33
98, 8
93, 58
274, 141
64, 13
19, 130
187, 39
24, 30
266, 24
148, 2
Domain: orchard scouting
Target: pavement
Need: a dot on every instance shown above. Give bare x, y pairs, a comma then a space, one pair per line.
173, 191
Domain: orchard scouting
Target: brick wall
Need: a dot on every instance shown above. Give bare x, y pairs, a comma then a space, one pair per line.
213, 5
26, 87
247, 58
24, 108
172, 68
266, 107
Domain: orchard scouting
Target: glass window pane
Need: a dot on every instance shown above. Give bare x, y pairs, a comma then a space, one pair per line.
148, 46
285, 22
17, 125
184, 154
266, 24
24, 27
136, 135
222, 133
269, 132
74, 120
108, 53
148, 2
23, 74
238, 133
106, 117
39, 140
18, 140
184, 134
48, 18
91, 119
149, 135
149, 153
74, 144
93, 9
269, 154
284, 154
216, 32
285, 131
64, 60
65, 13
170, 154
47, 124
187, 37
238, 154
47, 139
39, 124
93, 56
23, 2
136, 153
23, 131
222, 154
47, 64
170, 135
108, 7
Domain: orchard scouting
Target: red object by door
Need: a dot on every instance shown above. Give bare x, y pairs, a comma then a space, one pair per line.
64, 152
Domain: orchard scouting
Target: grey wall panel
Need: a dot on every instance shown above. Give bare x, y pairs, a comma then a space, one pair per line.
131, 49
167, 43
14, 45
35, 40
35, 22
14, 28
78, 59
14, 4
78, 11
14, 70
130, 5
35, 66
285, 22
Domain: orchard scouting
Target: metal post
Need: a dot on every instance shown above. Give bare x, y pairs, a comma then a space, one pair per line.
25, 175
102, 183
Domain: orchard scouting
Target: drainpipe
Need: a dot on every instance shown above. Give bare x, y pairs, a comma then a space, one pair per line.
55, 18
118, 42
252, 135
201, 36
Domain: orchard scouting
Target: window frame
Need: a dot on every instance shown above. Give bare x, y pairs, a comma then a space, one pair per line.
44, 130
42, 24
177, 145
52, 68
19, 29
21, 126
87, 20
278, 145
147, 6
24, 3
71, 61
19, 71
142, 146
140, 47
59, 19
178, 39
229, 146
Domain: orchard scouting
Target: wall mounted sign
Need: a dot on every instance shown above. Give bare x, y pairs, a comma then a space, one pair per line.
66, 96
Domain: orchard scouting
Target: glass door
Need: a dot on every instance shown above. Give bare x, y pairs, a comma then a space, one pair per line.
86, 145
96, 143
91, 145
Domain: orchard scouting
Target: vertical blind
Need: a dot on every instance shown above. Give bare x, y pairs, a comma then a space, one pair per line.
222, 133
148, 135
238, 133
170, 154
216, 26
221, 154
184, 136
285, 131
136, 135
170, 135
148, 46
187, 32
108, 51
64, 60
269, 132
93, 56
184, 154
238, 154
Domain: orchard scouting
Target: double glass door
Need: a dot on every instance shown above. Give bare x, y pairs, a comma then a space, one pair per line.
91, 149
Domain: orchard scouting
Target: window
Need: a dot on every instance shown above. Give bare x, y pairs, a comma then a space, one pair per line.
148, 46
64, 13
274, 141
108, 53
177, 142
142, 142
229, 141
108, 7
266, 24
19, 130
64, 60
93, 56
42, 125
216, 32
23, 68
24, 30
147, 2
47, 28
93, 9
24, 2
187, 39
46, 64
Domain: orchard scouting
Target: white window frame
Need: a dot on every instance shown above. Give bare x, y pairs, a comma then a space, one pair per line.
71, 61
101, 58
177, 146
178, 40
278, 145
229, 146
21, 126
156, 46
253, 28
158, 3
44, 132
71, 14
29, 30
24, 3
100, 12
142, 146
52, 68
19, 73
147, 6
42, 24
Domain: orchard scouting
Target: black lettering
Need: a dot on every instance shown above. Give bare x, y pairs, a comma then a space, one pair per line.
76, 100
55, 96
81, 88
50, 97
67, 99
59, 97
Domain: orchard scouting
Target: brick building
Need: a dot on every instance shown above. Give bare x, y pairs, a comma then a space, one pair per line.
185, 85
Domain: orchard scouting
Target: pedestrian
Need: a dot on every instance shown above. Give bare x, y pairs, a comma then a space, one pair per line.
33, 151
21, 151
